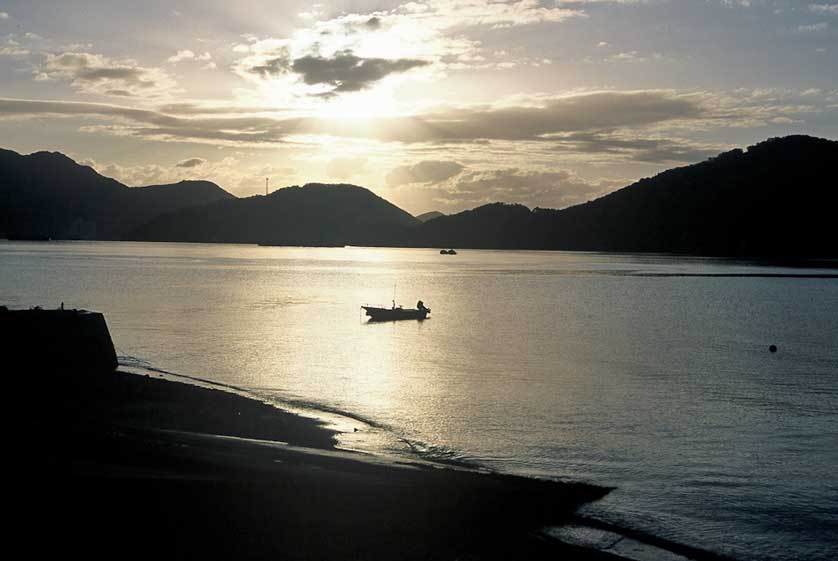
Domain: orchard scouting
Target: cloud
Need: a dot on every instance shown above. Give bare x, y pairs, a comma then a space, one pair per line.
181, 56
94, 73
546, 116
633, 57
344, 168
824, 8
343, 54
13, 48
608, 118
426, 171
341, 72
346, 72
577, 2
268, 64
191, 163
637, 147
120, 93
157, 125
315, 12
186, 55
470, 13
813, 28
545, 188
185, 108
541, 187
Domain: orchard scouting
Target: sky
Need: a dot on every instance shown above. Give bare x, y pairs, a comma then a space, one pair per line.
433, 105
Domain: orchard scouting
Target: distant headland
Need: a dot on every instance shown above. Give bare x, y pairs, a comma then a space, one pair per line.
773, 200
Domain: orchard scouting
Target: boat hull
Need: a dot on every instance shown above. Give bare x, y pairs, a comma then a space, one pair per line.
395, 314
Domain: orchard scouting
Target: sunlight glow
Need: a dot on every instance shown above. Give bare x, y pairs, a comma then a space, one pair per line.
369, 104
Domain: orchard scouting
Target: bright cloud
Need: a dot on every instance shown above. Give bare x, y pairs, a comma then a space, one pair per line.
186, 55
824, 8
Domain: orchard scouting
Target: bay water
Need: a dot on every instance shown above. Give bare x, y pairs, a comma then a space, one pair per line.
649, 374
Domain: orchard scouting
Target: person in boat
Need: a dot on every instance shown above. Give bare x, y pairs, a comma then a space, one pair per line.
420, 305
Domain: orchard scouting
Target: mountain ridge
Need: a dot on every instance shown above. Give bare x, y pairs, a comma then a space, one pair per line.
49, 195
428, 216
739, 203
288, 216
773, 199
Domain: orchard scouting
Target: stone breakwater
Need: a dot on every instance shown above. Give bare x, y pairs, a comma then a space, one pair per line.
56, 341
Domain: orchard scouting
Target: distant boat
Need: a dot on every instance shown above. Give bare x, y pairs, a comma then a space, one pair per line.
395, 313
447, 252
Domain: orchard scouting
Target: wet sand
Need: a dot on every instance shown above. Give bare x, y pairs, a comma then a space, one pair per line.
125, 466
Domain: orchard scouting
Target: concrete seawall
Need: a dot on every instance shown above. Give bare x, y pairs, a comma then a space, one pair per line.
56, 341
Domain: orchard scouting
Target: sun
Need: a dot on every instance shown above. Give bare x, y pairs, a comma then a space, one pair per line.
365, 105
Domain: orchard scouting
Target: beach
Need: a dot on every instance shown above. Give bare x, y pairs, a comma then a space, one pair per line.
125, 465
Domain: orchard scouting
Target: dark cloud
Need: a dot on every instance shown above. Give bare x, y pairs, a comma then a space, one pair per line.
343, 72
154, 124
124, 73
98, 74
346, 72
191, 163
583, 112
427, 171
276, 63
119, 93
653, 150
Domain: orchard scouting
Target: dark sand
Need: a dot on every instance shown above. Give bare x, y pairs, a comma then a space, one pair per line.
125, 466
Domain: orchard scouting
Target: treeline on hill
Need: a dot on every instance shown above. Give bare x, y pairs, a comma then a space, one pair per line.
774, 200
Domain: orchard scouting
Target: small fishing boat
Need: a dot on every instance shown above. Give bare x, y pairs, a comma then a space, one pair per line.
396, 313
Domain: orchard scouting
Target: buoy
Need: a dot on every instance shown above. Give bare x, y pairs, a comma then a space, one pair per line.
772, 348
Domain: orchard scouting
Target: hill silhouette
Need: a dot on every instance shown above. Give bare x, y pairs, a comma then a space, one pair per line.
48, 195
428, 216
774, 200
313, 215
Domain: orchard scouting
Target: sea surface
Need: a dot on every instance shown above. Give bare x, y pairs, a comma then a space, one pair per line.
650, 374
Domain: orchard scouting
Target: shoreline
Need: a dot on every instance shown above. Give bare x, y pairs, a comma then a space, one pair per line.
341, 422
822, 262
186, 471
